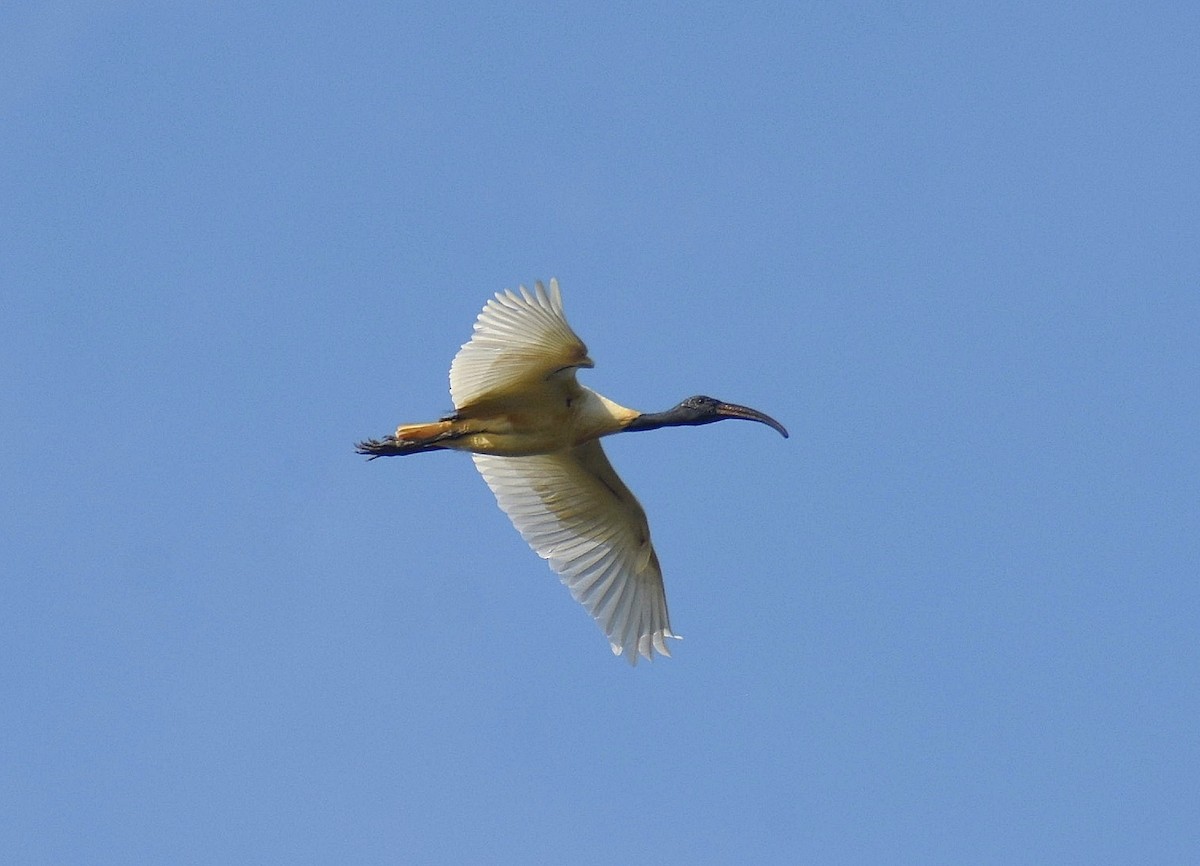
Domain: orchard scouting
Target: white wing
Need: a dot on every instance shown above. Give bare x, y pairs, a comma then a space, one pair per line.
576, 513
520, 341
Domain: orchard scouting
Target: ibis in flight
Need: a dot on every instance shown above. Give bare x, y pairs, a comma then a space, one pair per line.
534, 433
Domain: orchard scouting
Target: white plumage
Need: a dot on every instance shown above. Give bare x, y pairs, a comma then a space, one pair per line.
577, 514
534, 433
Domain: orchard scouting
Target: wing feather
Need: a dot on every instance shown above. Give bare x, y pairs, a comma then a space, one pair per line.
577, 514
520, 342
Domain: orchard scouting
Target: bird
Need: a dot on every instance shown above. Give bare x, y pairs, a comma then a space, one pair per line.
534, 433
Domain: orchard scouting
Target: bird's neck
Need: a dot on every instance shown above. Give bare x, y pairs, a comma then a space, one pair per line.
656, 420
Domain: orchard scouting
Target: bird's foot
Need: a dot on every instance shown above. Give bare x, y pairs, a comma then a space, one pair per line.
388, 446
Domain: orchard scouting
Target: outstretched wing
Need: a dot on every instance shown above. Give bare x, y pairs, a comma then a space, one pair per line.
520, 342
576, 513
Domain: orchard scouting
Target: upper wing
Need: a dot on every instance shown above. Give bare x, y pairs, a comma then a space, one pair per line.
519, 342
575, 512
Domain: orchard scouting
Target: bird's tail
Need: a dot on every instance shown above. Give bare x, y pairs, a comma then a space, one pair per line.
411, 439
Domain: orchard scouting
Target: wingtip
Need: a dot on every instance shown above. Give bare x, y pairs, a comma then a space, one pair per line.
646, 648
619, 650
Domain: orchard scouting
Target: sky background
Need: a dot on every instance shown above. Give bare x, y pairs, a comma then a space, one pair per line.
955, 248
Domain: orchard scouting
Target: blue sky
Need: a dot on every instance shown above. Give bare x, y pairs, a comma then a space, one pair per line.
953, 619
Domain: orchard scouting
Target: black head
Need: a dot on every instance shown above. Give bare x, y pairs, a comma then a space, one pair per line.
700, 409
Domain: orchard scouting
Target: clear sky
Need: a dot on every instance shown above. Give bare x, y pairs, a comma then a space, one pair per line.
955, 248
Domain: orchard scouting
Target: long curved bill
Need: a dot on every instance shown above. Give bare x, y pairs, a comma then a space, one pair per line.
733, 410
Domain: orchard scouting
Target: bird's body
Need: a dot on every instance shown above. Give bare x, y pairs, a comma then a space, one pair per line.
516, 427
535, 432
